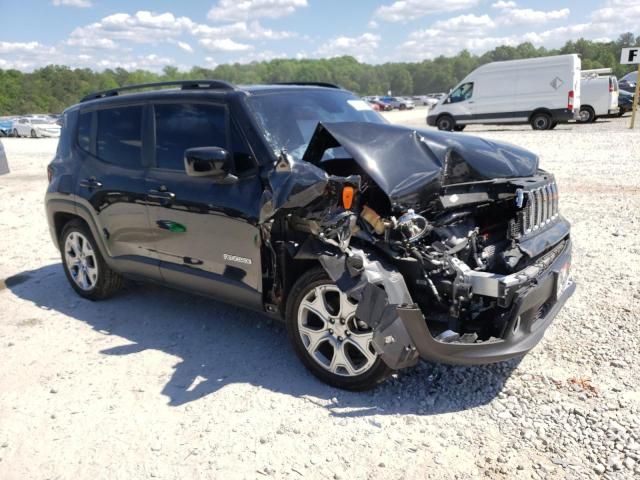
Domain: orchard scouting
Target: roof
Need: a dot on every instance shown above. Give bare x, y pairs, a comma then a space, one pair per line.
198, 86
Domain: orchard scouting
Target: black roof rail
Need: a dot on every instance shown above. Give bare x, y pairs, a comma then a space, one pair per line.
311, 84
183, 84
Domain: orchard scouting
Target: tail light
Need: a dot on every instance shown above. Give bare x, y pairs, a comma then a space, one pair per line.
570, 100
49, 173
610, 84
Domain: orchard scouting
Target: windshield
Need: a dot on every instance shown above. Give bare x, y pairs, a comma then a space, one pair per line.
288, 119
631, 77
36, 121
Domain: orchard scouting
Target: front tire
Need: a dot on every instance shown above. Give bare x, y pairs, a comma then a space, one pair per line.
34, 134
541, 121
83, 264
328, 338
446, 123
15, 133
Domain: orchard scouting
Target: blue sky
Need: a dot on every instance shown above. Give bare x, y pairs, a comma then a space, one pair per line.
152, 34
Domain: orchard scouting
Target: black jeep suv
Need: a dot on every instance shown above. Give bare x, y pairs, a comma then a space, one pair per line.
377, 244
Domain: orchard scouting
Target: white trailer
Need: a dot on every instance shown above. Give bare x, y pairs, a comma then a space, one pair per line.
541, 91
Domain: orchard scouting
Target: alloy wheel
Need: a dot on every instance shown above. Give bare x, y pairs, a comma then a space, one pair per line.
81, 261
332, 335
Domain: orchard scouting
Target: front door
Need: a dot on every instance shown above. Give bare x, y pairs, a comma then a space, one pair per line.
206, 234
460, 103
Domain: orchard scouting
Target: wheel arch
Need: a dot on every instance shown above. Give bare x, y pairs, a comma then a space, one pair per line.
544, 110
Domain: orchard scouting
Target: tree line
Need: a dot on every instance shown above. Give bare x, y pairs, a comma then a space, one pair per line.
54, 87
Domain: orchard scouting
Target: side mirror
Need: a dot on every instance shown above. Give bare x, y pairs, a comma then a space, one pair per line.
213, 162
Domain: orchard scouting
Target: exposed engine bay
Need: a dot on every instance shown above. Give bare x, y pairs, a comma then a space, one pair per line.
464, 245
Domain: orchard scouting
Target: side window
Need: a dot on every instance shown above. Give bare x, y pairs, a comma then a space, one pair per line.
119, 136
84, 131
462, 93
183, 126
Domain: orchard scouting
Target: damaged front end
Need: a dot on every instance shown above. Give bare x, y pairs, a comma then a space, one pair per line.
453, 247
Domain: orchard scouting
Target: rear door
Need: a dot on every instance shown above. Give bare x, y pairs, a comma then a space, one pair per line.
111, 189
206, 234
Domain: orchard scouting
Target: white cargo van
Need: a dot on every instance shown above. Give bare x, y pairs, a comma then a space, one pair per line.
598, 94
541, 91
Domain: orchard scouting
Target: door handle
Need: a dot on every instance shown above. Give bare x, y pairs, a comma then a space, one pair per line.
90, 183
162, 195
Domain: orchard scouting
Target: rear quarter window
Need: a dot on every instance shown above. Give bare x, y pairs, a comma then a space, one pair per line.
84, 131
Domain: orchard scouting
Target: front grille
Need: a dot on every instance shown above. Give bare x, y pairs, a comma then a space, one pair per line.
540, 207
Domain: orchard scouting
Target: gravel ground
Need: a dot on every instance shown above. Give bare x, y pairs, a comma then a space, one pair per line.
157, 383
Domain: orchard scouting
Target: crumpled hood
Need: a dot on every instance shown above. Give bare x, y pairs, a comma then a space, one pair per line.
410, 165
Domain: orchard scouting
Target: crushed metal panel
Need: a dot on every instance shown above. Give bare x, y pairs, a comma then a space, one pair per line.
292, 184
411, 165
379, 291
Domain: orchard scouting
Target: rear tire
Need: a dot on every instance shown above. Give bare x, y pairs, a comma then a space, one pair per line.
83, 264
541, 121
316, 332
33, 133
587, 115
445, 123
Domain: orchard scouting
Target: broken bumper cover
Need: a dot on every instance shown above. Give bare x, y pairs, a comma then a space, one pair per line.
533, 308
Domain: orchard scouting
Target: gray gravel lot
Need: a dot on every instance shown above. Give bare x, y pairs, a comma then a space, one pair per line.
157, 383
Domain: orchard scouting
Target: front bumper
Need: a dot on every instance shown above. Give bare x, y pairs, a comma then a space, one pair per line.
431, 120
532, 310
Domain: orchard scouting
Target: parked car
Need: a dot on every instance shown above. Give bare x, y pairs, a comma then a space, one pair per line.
35, 127
598, 95
625, 102
382, 106
399, 103
6, 127
425, 100
540, 91
292, 201
628, 82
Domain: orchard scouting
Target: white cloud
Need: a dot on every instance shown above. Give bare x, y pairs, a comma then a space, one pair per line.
141, 27
245, 30
468, 24
404, 10
232, 10
521, 16
185, 46
224, 45
25, 48
262, 56
501, 4
372, 24
360, 47
86, 42
72, 3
